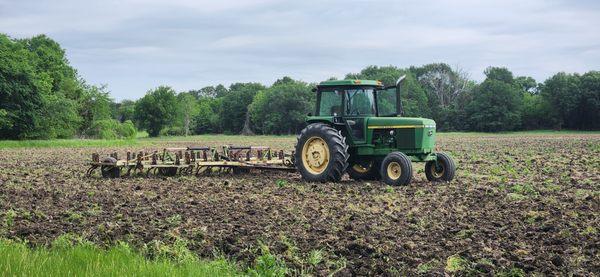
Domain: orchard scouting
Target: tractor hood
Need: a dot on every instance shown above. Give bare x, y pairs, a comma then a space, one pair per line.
399, 123
410, 134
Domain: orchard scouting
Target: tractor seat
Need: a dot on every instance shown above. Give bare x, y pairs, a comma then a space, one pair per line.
337, 110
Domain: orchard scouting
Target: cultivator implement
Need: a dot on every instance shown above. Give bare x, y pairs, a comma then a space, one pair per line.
192, 161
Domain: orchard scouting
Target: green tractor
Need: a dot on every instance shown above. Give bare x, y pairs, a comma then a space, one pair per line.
357, 128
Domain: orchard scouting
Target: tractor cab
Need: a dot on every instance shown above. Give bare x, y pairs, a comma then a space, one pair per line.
358, 128
352, 102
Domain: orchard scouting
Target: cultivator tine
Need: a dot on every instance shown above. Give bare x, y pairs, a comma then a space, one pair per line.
90, 170
129, 168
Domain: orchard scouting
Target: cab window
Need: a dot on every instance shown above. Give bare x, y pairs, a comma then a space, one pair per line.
331, 103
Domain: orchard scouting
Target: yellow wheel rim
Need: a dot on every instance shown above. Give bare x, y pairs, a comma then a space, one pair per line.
437, 172
394, 170
315, 155
361, 169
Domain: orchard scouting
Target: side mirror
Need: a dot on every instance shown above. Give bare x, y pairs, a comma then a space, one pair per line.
309, 114
314, 90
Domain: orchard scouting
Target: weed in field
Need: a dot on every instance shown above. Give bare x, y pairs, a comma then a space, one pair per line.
94, 210
428, 266
515, 197
9, 218
420, 193
524, 189
174, 220
456, 263
463, 234
74, 217
268, 265
27, 215
315, 257
584, 194
534, 216
551, 186
590, 230
281, 183
177, 252
389, 189
199, 233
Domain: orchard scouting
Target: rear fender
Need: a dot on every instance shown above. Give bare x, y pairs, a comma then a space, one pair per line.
336, 122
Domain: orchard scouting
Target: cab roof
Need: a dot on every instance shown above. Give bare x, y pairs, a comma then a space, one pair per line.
351, 83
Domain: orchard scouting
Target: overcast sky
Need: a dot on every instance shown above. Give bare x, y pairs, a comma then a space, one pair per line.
133, 45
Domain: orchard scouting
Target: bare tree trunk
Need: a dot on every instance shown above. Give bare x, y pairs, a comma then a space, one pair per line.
186, 124
247, 131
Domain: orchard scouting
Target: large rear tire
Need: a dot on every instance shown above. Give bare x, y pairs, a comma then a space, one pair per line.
441, 171
321, 153
396, 169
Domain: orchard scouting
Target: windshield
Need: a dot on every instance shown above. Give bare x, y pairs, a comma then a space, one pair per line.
359, 102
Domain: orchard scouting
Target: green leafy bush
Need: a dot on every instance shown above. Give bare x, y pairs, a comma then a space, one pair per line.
112, 129
172, 131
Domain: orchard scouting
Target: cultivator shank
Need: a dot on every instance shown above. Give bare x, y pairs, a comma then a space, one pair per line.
192, 160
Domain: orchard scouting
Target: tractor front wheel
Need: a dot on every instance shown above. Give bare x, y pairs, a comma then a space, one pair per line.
441, 170
321, 153
367, 172
396, 169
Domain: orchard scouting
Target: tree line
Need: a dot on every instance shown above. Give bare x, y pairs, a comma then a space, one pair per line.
42, 96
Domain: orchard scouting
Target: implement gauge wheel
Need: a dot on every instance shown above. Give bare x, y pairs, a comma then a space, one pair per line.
442, 170
321, 153
109, 171
167, 171
368, 171
396, 169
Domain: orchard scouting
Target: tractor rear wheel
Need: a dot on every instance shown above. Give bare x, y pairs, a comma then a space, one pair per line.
396, 169
321, 153
441, 170
109, 171
368, 171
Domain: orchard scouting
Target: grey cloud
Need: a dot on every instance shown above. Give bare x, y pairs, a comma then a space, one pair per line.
136, 45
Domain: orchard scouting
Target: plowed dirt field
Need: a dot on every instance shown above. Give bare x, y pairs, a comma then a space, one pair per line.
519, 204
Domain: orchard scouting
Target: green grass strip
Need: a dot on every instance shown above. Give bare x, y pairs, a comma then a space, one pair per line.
17, 259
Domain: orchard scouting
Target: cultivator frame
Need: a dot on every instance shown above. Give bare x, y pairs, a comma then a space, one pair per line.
192, 160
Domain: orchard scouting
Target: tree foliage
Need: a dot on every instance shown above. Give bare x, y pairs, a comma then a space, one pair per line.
497, 102
43, 97
156, 110
234, 106
281, 109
